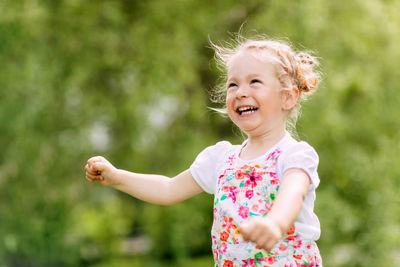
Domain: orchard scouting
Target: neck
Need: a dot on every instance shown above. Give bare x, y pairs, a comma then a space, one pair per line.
259, 144
266, 139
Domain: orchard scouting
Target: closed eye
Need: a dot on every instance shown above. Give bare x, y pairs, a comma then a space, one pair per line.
255, 81
232, 85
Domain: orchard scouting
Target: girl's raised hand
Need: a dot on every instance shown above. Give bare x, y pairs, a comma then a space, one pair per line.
262, 231
101, 170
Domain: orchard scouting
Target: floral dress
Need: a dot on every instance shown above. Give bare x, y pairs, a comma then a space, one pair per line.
249, 188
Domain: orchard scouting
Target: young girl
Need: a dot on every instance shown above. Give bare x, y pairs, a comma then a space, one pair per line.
264, 188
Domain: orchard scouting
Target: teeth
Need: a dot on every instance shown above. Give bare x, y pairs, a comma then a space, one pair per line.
247, 110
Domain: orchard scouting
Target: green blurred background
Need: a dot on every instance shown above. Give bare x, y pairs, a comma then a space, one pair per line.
130, 80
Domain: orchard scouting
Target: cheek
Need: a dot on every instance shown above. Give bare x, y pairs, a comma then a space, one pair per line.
229, 102
276, 99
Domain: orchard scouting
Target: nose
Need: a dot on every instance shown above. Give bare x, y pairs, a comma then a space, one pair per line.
242, 92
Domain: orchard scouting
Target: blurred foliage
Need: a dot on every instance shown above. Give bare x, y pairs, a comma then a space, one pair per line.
130, 79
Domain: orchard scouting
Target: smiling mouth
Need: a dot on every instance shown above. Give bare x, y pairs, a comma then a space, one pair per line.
246, 110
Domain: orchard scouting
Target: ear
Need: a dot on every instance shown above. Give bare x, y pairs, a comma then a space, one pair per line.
290, 98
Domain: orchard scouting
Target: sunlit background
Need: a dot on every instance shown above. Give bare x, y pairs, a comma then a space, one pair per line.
130, 80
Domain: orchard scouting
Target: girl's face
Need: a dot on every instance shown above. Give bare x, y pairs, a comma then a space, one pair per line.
254, 97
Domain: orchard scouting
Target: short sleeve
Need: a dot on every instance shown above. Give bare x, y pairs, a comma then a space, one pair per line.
205, 167
301, 156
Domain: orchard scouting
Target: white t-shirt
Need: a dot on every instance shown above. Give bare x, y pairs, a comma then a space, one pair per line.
209, 166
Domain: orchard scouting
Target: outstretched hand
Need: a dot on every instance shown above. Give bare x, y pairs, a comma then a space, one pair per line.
262, 231
100, 170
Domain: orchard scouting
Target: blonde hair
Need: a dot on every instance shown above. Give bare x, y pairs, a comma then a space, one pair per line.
293, 69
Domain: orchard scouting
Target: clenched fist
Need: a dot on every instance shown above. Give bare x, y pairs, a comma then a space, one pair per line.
262, 231
101, 170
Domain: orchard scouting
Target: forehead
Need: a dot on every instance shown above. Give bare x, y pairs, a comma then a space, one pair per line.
250, 63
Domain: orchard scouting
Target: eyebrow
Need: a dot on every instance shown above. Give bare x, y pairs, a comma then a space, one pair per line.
247, 77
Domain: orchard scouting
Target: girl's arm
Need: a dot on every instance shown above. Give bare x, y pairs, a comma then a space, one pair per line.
267, 231
156, 189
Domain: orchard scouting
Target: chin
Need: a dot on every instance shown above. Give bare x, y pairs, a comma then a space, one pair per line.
246, 128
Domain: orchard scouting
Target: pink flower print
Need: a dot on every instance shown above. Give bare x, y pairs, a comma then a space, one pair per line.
275, 154
248, 262
255, 173
274, 181
230, 159
297, 243
268, 205
271, 260
222, 248
249, 194
274, 178
313, 264
254, 207
263, 212
308, 246
232, 193
214, 240
244, 212
253, 178
282, 247
215, 251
